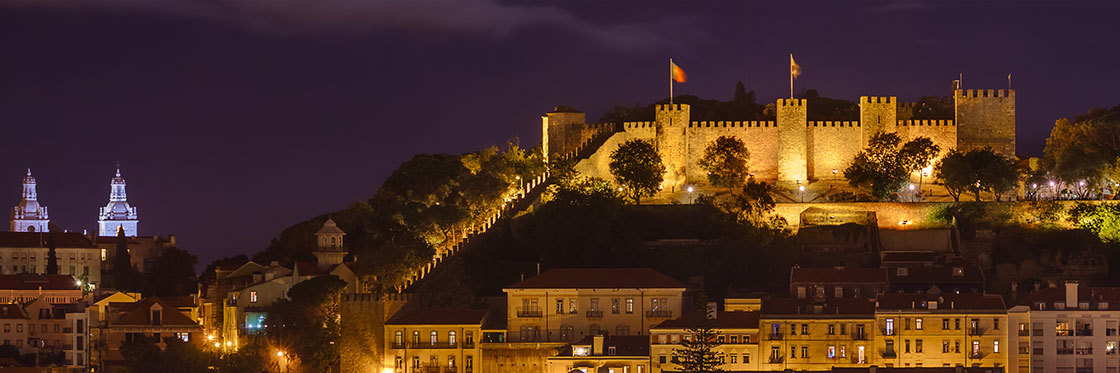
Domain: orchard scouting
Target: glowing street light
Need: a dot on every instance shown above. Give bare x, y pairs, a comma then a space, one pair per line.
801, 192
217, 345
279, 353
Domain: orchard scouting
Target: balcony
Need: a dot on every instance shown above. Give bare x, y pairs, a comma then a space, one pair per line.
1063, 332
1024, 333
595, 314
433, 345
1084, 332
889, 354
856, 360
975, 355
522, 312
775, 359
397, 346
659, 313
1065, 351
1083, 351
859, 336
975, 331
775, 336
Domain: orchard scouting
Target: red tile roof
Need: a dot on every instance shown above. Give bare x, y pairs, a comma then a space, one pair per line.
30, 281
600, 278
839, 275
36, 239
948, 302
11, 311
440, 317
808, 308
931, 275
625, 345
139, 314
724, 320
1095, 296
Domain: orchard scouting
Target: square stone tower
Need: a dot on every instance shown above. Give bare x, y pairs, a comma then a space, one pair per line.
877, 114
672, 122
985, 118
792, 135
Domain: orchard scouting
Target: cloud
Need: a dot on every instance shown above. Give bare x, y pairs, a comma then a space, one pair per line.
483, 17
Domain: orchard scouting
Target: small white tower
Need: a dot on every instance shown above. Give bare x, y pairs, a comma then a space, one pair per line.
29, 216
331, 251
117, 214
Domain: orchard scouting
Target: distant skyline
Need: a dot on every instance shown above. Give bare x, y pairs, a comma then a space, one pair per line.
233, 119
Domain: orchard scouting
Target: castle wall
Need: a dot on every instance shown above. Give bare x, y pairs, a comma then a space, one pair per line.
792, 159
831, 146
760, 138
362, 324
563, 132
905, 111
598, 164
672, 123
985, 118
943, 133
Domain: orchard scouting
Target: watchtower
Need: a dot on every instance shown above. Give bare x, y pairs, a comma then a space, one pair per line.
671, 123
877, 114
562, 131
985, 118
792, 135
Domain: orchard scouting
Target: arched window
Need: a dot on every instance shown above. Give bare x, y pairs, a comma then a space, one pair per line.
594, 329
451, 338
398, 339
30, 228
435, 336
566, 332
332, 241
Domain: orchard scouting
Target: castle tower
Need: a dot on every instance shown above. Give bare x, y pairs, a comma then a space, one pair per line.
877, 114
671, 140
330, 251
117, 215
985, 118
792, 140
29, 215
562, 131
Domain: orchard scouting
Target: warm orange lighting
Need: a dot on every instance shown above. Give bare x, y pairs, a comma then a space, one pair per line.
279, 353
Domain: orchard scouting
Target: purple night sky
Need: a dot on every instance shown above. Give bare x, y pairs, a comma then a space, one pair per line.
233, 119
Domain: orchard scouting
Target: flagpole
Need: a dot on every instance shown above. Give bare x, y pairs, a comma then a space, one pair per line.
791, 76
670, 81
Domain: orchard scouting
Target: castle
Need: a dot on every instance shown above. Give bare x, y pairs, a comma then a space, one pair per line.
789, 149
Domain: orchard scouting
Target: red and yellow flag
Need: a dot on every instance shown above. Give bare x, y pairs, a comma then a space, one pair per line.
676, 73
794, 68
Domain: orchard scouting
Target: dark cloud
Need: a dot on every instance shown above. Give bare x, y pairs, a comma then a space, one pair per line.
481, 17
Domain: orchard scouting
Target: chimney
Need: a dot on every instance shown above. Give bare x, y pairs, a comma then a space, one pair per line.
1014, 290
960, 369
1071, 294
597, 344
873, 369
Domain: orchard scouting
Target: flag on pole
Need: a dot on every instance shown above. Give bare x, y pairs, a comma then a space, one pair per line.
676, 73
794, 68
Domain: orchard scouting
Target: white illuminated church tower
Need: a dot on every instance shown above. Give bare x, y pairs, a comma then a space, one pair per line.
29, 216
117, 214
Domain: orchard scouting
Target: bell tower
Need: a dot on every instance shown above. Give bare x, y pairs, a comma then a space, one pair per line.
118, 214
29, 215
330, 251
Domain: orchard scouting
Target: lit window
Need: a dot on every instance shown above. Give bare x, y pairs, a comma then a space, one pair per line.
253, 296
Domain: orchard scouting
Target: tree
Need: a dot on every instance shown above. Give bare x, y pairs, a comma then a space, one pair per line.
977, 171
124, 275
955, 173
725, 159
637, 167
698, 353
171, 274
878, 166
52, 254
308, 321
916, 155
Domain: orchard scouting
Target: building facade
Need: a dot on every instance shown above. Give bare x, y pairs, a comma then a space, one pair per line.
1066, 329
941, 330
27, 252
738, 338
117, 214
437, 340
804, 334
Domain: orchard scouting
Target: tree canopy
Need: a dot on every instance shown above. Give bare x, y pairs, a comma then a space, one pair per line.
1085, 149
725, 160
308, 321
981, 170
171, 274
884, 166
637, 168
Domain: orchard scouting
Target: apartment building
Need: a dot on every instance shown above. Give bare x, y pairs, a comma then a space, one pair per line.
941, 330
816, 334
567, 305
434, 341
603, 353
737, 334
836, 282
1069, 329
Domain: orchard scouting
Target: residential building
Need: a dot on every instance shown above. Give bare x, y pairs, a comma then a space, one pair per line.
44, 327
941, 330
1066, 329
836, 282
150, 317
436, 340
738, 338
806, 334
98, 316
27, 287
566, 305
603, 353
14, 330
951, 275
26, 252
75, 334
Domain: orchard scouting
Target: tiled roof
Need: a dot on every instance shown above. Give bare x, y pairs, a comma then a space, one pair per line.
329, 227
724, 320
139, 313
948, 302
30, 281
625, 345
930, 275
909, 256
1095, 296
599, 278
11, 311
839, 275
786, 307
309, 269
36, 239
439, 317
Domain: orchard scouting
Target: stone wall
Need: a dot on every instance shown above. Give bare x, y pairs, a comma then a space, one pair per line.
890, 215
792, 147
671, 127
877, 114
986, 118
598, 164
362, 324
832, 146
758, 136
943, 133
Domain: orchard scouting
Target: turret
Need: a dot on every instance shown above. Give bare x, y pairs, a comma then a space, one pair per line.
672, 122
985, 118
792, 137
562, 131
877, 114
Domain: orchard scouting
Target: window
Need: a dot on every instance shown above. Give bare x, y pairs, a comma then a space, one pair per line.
629, 305
831, 352
995, 347
906, 346
622, 330
416, 362
995, 324
918, 346
918, 323
434, 336
890, 327
957, 324
451, 338
433, 361
733, 359
843, 351
253, 296
746, 358
843, 328
661, 359
792, 352
398, 362
468, 363
614, 305
975, 348
451, 361
157, 319
572, 305
594, 304
398, 340
7, 327
734, 339
416, 337
804, 351
906, 323
957, 346
804, 329
559, 306
890, 346
612, 350
662, 339
792, 329
944, 324
831, 329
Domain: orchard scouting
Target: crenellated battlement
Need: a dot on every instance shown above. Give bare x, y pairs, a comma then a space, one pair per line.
996, 93
832, 123
926, 122
374, 297
630, 125
877, 99
791, 102
671, 107
732, 124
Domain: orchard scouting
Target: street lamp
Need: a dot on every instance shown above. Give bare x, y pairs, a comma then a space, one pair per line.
801, 192
690, 199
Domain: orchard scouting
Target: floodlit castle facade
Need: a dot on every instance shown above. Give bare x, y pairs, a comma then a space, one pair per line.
790, 148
